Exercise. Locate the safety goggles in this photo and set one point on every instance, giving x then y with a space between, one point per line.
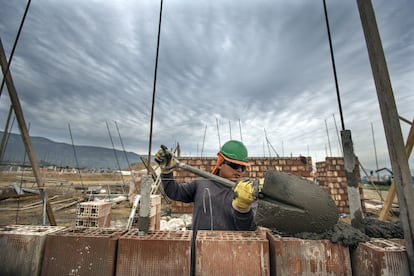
235 166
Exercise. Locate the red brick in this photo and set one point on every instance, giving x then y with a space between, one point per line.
380 257
93 209
292 256
81 251
158 253
232 253
22 248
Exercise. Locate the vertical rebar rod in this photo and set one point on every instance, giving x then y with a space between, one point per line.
204 139
329 141
116 156
375 150
241 136
338 135
333 66
75 155
122 144
153 91
218 133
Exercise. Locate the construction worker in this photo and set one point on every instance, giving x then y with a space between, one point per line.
215 207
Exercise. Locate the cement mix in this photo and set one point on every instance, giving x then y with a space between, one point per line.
348 235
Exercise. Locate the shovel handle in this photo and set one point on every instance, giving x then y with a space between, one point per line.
223 181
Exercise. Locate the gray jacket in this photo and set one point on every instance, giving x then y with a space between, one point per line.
212 204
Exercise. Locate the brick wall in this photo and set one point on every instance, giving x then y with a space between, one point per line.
301 166
330 175
332 178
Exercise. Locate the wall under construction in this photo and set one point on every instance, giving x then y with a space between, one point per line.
330 175
56 250
332 178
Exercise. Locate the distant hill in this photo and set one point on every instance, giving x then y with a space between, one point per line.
49 152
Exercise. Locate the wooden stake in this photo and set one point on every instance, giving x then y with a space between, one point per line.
24 132
396 149
391 192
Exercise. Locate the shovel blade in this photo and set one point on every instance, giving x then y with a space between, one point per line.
292 204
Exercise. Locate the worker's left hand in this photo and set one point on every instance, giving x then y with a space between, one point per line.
245 193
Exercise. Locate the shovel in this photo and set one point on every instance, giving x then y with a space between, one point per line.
286 203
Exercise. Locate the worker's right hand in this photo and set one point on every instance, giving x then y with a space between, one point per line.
165 159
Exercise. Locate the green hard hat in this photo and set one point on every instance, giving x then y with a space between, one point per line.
235 150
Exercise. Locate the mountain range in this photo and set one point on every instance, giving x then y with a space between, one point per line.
48 152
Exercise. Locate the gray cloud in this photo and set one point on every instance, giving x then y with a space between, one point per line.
236 69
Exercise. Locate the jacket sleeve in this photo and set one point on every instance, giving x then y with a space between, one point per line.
177 191
244 221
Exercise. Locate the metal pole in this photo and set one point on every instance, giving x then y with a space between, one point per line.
375 150
218 133
76 157
116 156
204 138
351 168
329 141
338 136
241 136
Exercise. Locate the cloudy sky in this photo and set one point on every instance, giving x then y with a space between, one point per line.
257 71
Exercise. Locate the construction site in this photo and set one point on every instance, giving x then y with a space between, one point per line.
98 236
311 220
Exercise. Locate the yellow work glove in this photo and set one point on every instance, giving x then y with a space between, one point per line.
245 193
165 159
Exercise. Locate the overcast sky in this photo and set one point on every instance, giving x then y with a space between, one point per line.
246 70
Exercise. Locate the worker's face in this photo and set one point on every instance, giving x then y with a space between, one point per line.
232 171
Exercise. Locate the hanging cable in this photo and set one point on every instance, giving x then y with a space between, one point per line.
333 66
211 207
153 92
14 46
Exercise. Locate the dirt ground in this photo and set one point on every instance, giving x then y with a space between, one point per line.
64 194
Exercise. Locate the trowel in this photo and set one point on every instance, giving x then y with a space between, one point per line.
286 202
